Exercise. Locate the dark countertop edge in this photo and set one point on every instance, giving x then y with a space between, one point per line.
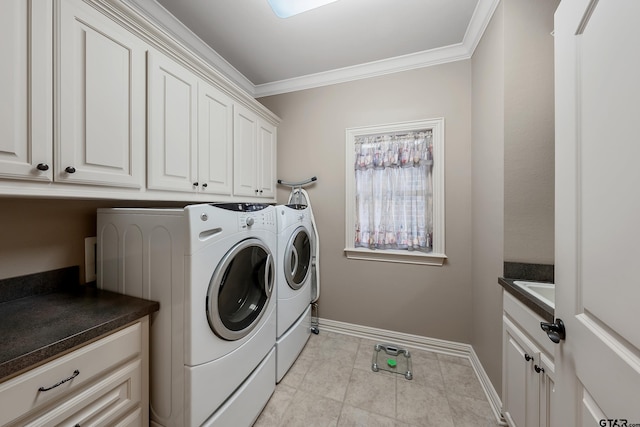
537 306
19 365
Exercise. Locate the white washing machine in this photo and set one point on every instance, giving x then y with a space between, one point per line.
295 246
212 268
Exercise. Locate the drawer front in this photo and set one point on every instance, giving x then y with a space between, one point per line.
528 321
101 404
23 394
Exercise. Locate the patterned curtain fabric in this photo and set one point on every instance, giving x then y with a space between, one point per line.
394 191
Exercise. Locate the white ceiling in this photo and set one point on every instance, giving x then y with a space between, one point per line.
342 41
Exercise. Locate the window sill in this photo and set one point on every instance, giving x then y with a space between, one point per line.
403 257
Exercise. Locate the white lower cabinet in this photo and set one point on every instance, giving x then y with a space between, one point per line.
527 368
104 383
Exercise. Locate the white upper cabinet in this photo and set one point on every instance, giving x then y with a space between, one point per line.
172 111
25 90
100 100
267 159
215 140
93 93
254 155
190 131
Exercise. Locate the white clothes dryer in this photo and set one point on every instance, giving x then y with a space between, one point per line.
212 268
295 246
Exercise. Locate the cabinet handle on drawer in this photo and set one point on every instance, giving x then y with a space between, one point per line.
527 357
538 368
70 169
75 374
42 167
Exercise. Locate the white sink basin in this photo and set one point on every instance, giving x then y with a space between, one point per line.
545 292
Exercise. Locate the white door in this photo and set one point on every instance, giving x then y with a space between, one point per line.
26 149
597 46
215 140
101 100
172 111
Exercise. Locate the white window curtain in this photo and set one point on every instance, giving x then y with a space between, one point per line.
394 191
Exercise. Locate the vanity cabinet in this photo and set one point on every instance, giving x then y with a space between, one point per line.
528 369
26 90
104 383
254 155
190 131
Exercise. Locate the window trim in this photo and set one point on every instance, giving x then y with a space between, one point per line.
437 256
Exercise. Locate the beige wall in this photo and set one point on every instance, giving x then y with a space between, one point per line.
513 160
39 234
488 203
529 131
423 300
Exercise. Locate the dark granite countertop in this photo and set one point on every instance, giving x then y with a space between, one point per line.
53 319
532 272
537 306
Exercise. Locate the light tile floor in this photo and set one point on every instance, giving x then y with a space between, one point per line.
332 384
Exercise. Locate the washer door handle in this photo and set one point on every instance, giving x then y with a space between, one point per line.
268 283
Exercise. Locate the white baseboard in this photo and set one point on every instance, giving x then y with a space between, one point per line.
450 348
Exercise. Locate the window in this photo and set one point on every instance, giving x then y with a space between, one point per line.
395 192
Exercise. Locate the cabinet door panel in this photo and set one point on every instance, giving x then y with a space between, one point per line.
21 150
101 100
267 153
215 140
172 146
521 383
245 126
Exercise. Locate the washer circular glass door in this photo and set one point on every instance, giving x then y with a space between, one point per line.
240 289
297 258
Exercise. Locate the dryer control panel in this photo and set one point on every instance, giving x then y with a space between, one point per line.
259 219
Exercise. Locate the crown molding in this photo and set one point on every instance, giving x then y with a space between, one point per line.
482 14
479 21
364 71
161 17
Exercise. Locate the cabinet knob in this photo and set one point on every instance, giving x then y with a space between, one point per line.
70 169
42 167
260 191
527 357
256 191
538 369
195 184
204 185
